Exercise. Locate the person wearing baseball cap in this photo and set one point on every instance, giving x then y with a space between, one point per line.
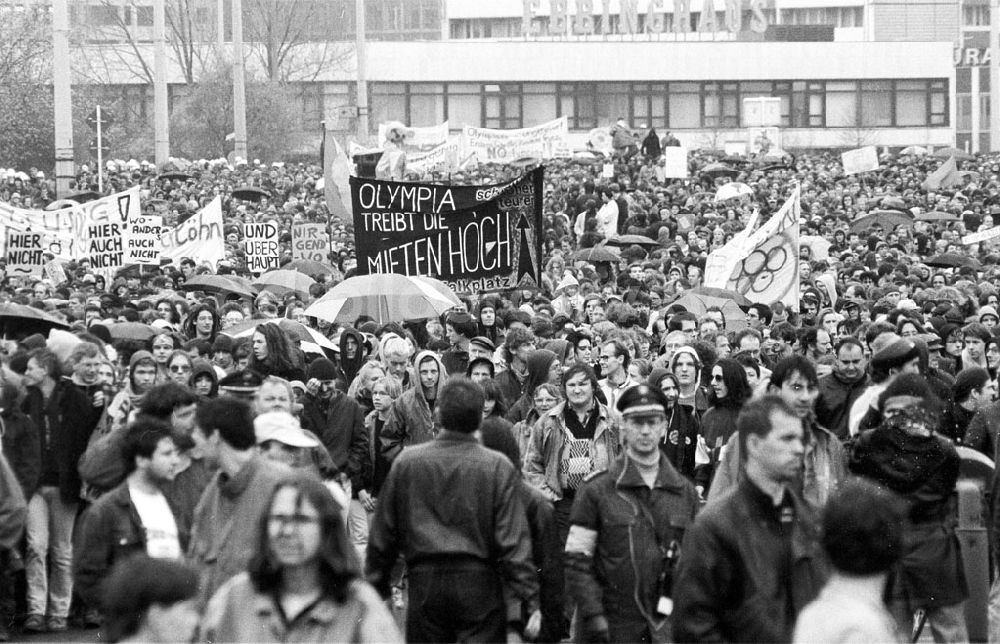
620 604
280 437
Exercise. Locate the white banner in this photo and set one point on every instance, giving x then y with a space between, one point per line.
721 262
981 236
142 241
675 162
201 237
66 233
861 160
423 137
443 158
504 146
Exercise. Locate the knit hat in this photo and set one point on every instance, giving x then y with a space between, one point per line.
222 344
967 381
988 310
567 281
321 369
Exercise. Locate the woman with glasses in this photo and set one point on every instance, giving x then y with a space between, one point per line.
728 392
303 583
179 367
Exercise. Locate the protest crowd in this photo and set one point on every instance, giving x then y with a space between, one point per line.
632 448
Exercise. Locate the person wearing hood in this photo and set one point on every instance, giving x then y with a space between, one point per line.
568 301
680 442
141 378
353 353
543 367
686 365
204 379
839 389
411 420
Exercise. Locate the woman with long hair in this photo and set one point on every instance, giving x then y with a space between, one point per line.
360 388
729 390
273 354
303 583
680 441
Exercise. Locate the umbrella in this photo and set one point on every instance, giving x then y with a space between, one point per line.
628 240
59 204
296 331
953 260
893 203
960 155
311 268
715 170
732 190
20 321
525 162
384 297
971 175
175 174
698 304
131 331
251 193
83 197
885 218
937 215
281 282
217 284
915 150
820 246
594 255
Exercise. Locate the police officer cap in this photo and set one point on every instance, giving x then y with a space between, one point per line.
642 399
247 381
895 355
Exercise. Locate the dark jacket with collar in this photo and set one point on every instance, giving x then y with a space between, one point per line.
340 425
451 499
64 427
833 405
620 533
741 577
110 531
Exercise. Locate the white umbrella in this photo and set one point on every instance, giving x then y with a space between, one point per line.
732 190
819 246
914 149
385 298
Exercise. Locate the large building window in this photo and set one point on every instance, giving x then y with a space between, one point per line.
612 102
841 104
721 105
539 103
464 105
426 104
388 102
649 104
502 105
975 15
685 106
876 104
578 103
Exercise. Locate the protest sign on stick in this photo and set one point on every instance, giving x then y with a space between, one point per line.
260 242
142 244
310 241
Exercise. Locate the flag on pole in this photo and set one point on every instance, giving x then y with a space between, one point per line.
944 177
769 269
336 177
722 261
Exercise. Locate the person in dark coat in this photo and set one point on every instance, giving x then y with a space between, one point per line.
680 442
752 558
471 577
907 456
546 550
21 443
651 144
839 389
626 528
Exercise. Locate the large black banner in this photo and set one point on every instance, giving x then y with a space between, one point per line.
475 238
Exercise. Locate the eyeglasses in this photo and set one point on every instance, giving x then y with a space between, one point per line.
178 368
716 378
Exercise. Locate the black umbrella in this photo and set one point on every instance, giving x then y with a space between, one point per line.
715 170
594 255
217 284
628 240
83 197
175 174
19 321
953 260
251 193
887 219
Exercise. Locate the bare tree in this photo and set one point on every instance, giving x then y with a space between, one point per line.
26 125
291 37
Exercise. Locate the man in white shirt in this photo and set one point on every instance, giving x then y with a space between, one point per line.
614 359
134 517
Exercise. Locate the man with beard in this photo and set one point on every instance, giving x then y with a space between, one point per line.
838 390
752 558
906 455
135 517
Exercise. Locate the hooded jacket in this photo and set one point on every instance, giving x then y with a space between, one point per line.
205 368
352 366
539 362
411 419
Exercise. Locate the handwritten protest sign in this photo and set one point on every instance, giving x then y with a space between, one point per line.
474 238
675 162
860 160
66 232
55 272
502 146
260 242
443 158
142 241
200 237
25 253
310 241
107 246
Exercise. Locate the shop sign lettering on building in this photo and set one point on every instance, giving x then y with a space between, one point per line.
578 18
